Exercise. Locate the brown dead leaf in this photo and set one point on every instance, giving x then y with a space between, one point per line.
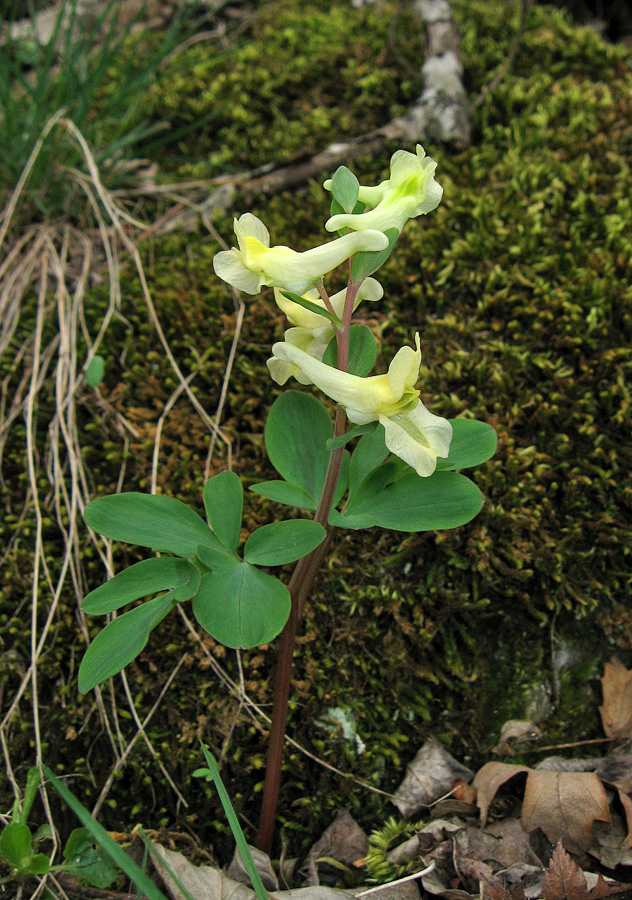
492 890
431 774
505 843
626 803
516 736
565 805
616 712
487 781
616 767
564 880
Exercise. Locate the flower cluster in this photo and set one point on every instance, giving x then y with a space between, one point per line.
411 431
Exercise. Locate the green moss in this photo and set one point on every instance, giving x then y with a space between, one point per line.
520 286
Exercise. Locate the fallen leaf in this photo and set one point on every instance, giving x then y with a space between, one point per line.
505 843
430 775
617 767
564 880
492 890
564 805
615 839
487 781
343 841
561 764
237 870
616 712
516 736
201 882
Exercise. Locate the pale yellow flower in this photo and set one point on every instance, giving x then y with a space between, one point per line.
411 432
256 264
410 191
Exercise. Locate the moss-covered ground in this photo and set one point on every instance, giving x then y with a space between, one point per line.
520 285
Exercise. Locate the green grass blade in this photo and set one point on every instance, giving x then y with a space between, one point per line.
142 881
235 827
163 862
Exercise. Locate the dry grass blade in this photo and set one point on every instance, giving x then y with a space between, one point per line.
47 267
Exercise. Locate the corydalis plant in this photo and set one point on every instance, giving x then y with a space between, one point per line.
402 472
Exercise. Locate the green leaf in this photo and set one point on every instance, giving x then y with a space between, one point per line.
140 580
313 307
368 455
296 433
444 500
362 351
343 520
38 864
223 501
121 641
345 188
216 557
354 432
472 443
188 589
95 371
284 492
364 497
241 606
283 542
142 881
16 845
161 523
88 861
369 261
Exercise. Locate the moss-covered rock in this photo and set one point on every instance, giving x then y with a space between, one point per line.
520 286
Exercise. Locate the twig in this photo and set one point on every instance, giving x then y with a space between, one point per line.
383 887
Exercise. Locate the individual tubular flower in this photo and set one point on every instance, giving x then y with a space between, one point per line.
411 431
410 191
256 263
314 332
370 289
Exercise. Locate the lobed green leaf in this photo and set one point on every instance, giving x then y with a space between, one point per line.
140 580
162 523
444 500
223 500
283 542
370 452
241 606
472 443
284 492
297 430
121 641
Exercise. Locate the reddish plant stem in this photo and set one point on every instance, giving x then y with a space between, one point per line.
302 579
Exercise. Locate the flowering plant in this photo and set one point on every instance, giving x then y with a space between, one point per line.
402 474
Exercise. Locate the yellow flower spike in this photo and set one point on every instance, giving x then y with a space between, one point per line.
410 191
256 264
411 432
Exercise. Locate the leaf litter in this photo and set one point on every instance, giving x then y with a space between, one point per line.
561 830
